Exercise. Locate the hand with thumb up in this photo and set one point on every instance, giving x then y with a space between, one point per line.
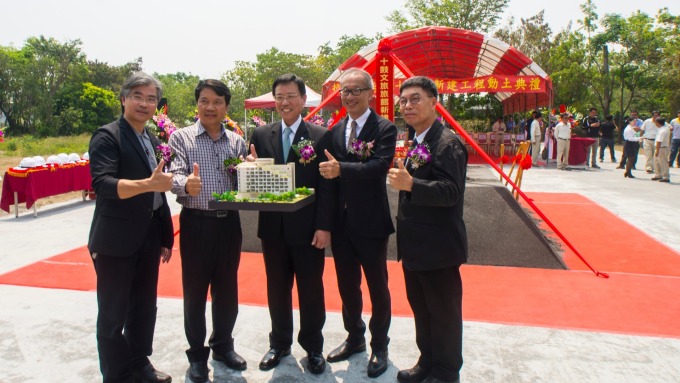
399 178
194 184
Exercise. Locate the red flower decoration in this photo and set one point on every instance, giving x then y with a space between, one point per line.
504 159
526 163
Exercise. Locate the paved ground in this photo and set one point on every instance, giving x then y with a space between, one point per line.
48 335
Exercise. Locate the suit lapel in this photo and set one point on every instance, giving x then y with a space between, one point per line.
301 134
369 127
276 143
340 137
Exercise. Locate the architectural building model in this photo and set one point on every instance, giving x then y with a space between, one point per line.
263 176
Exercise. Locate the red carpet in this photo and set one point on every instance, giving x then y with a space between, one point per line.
642 288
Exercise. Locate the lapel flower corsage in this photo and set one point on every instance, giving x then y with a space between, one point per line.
231 163
305 150
419 156
361 149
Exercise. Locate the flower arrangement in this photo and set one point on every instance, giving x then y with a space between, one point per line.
232 125
361 149
231 163
2 135
258 121
419 156
163 128
317 120
305 150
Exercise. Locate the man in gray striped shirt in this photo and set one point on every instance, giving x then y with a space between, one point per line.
210 240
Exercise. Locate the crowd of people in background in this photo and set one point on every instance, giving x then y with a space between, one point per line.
658 137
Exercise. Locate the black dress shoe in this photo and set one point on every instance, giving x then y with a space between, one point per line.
231 359
413 375
346 350
316 363
198 372
272 358
377 364
148 374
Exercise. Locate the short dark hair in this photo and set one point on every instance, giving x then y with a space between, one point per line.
609 118
538 114
217 86
591 109
661 121
287 79
634 111
655 112
420 81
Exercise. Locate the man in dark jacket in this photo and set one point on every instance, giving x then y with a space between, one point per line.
431 234
361 153
131 232
293 243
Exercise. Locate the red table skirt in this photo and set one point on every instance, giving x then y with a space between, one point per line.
35 184
578 150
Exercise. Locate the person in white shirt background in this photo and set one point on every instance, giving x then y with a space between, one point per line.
563 135
662 151
675 141
649 131
631 145
535 137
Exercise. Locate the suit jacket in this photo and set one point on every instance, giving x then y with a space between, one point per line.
362 195
297 228
119 226
431 233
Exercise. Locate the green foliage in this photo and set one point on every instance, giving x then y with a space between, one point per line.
474 15
178 89
29 146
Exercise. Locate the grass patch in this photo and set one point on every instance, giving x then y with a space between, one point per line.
29 146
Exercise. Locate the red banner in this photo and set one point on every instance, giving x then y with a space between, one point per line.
488 84
384 86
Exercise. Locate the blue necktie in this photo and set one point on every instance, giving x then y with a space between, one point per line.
286 143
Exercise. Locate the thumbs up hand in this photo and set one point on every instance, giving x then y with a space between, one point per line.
253 154
331 168
194 184
159 181
399 178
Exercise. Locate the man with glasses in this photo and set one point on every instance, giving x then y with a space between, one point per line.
431 235
293 243
210 240
362 150
131 233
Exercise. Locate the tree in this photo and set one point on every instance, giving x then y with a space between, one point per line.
109 77
475 15
329 59
53 64
15 88
178 89
532 36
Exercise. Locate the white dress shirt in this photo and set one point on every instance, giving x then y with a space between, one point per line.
360 124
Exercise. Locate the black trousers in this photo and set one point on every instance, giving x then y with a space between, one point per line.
436 296
305 264
126 298
211 252
351 255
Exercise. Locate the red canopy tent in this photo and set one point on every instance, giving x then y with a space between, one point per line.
453 57
458 61
266 101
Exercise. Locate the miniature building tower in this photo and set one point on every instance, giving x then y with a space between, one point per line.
263 176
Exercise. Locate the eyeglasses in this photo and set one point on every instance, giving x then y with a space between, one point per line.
415 100
288 97
137 99
355 92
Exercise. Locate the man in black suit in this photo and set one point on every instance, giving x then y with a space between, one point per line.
131 232
293 243
431 234
361 153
